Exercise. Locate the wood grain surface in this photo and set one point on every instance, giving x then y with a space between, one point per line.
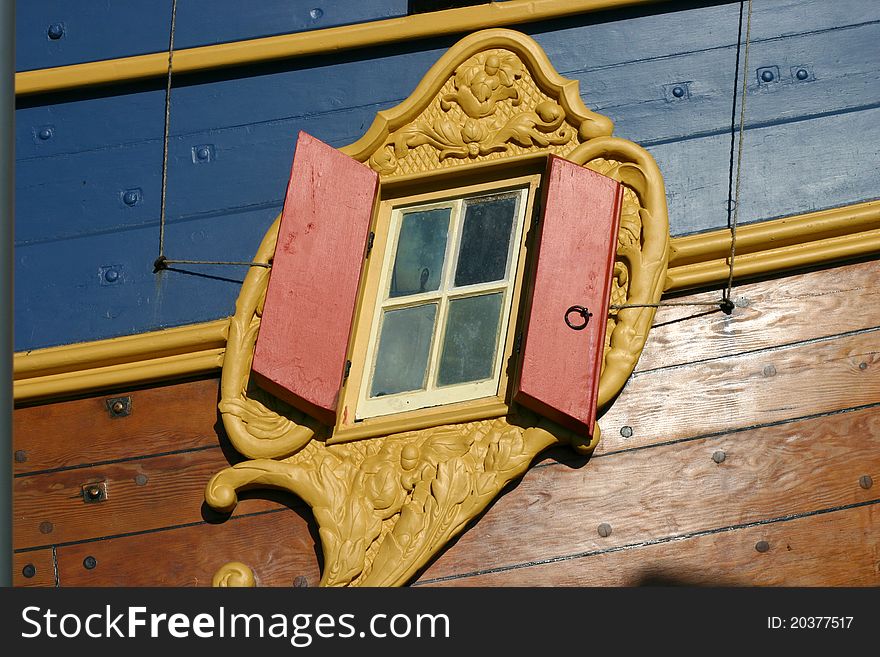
48 509
279 546
673 491
43 563
163 419
769 313
729 394
839 548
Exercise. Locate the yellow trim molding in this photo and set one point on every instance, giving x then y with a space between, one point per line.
763 249
301 44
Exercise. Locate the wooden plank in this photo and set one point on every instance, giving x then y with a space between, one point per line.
163 419
672 491
279 547
49 508
722 395
562 350
43 565
308 314
832 549
811 305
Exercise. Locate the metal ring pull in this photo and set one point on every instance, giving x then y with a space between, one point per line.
579 310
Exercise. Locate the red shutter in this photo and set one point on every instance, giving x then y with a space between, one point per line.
559 375
300 354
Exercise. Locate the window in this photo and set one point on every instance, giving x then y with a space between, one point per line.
445 292
388 311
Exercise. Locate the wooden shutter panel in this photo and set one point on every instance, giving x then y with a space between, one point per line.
300 354
559 376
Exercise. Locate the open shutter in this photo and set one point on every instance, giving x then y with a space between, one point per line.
561 360
300 355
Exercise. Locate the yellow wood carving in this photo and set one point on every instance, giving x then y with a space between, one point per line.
385 505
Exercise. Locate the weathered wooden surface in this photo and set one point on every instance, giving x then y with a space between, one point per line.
796 441
673 491
43 564
838 548
166 419
808 144
278 546
733 393
309 307
768 314
49 508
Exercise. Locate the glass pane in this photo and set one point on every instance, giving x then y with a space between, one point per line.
485 241
403 350
421 250
471 336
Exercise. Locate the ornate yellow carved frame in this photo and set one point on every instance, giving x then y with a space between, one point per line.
386 505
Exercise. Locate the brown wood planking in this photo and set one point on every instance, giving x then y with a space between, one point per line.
171 494
673 490
43 564
163 419
743 391
277 546
805 306
840 548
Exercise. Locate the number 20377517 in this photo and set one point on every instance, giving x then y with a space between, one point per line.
809 622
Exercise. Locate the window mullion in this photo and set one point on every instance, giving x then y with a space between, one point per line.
452 250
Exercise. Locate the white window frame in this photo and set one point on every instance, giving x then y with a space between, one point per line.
435 395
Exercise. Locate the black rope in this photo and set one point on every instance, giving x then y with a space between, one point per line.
725 304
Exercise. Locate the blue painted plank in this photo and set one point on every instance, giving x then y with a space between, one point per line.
58 32
787 169
782 175
246 165
62 294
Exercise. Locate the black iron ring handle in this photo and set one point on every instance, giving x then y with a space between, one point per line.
579 310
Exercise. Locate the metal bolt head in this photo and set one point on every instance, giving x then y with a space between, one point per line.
300 581
45 133
111 276
55 31
46 527
626 431
20 456
118 407
604 530
863 366
762 546
316 13
866 482
90 562
29 570
767 75
678 92
131 197
769 370
802 74
140 479
93 492
719 456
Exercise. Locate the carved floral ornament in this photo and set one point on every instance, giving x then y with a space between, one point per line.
386 505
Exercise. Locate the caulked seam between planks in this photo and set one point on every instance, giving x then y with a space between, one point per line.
142 532
656 541
127 459
718 434
761 350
